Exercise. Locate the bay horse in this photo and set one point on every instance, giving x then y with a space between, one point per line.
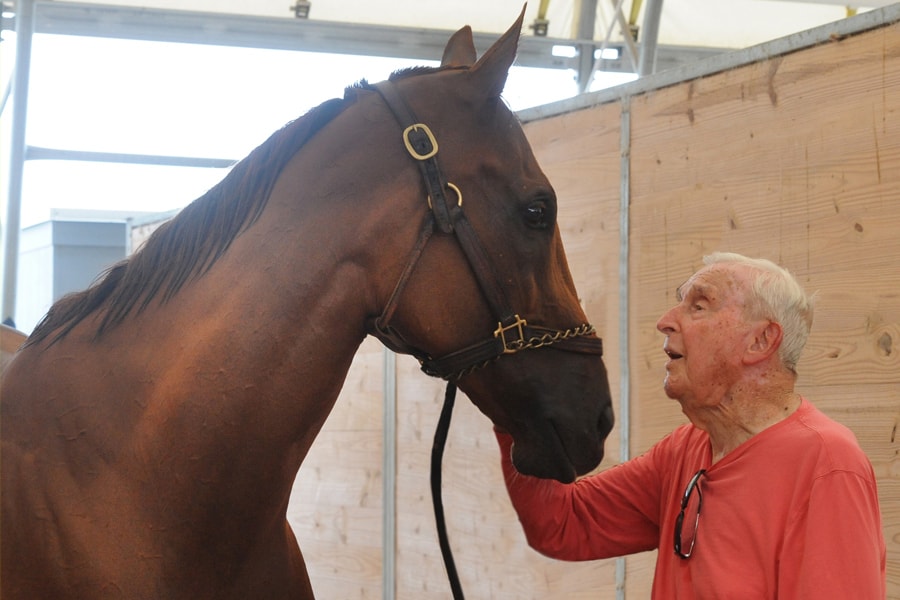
153 424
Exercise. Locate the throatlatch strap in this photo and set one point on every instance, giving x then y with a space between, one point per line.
381 326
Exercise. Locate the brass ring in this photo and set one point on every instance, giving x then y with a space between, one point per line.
455 189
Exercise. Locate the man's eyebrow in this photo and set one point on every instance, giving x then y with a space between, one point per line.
679 293
694 288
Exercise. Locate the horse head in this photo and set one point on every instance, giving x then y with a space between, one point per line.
487 299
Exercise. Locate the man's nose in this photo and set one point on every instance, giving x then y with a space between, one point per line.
666 324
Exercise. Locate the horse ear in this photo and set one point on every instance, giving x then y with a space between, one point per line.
460 50
493 67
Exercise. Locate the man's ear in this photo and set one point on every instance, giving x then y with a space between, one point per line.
766 340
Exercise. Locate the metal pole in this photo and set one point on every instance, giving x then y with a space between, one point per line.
650 37
587 18
389 478
617 16
624 416
24 32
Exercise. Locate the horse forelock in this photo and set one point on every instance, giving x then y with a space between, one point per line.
185 247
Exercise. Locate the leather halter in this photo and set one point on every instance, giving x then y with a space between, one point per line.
513 333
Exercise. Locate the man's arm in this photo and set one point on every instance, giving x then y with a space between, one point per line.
609 514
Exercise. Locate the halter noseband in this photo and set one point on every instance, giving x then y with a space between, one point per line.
513 333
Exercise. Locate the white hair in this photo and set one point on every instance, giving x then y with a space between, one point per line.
776 295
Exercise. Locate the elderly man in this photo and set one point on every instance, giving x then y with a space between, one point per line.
761 495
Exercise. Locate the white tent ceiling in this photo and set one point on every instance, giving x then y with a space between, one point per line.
704 23
668 33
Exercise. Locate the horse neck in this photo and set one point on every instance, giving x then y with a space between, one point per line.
229 381
269 333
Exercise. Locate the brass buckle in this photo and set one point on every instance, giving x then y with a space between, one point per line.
501 333
409 147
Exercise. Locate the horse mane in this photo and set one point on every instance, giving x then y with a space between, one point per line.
185 247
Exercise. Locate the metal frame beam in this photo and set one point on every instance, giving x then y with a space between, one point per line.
13 224
124 22
150 24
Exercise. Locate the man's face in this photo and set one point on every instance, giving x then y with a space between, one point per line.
706 336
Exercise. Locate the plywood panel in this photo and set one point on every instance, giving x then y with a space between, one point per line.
336 504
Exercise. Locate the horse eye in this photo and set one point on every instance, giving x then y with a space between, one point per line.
537 215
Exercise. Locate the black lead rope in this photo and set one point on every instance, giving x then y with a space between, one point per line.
437 453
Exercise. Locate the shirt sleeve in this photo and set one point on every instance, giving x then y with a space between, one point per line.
611 513
835 548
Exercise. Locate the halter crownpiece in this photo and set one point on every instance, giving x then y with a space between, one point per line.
423 147
513 333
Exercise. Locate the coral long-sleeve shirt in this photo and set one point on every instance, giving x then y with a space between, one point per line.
792 513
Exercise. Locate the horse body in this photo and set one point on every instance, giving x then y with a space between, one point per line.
150 453
222 404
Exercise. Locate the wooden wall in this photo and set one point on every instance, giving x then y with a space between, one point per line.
795 158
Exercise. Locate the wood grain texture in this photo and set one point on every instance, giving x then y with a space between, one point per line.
336 504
